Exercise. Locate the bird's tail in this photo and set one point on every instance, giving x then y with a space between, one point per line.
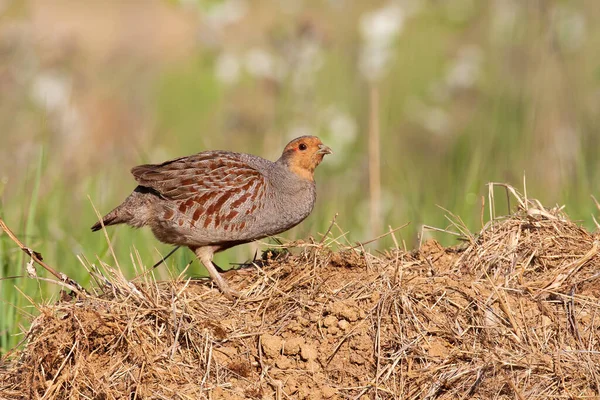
133 211
112 218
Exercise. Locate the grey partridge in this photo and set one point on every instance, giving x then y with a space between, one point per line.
214 200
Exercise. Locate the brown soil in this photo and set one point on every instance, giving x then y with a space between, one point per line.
510 314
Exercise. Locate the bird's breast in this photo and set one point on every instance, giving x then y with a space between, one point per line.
289 209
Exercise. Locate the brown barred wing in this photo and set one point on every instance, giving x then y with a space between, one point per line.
213 190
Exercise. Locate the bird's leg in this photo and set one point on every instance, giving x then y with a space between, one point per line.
205 255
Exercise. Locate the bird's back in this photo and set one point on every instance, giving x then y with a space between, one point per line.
222 198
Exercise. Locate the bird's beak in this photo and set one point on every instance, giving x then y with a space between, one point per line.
324 149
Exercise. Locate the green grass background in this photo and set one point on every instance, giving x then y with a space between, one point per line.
145 90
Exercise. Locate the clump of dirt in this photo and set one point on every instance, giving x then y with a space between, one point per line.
512 313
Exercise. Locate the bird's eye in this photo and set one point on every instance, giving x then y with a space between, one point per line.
302 146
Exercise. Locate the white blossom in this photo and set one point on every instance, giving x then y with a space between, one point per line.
227 68
262 64
570 27
464 70
379 29
227 12
52 92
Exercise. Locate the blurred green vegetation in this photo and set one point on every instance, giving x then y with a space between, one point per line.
469 92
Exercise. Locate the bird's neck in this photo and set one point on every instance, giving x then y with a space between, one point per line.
290 179
297 168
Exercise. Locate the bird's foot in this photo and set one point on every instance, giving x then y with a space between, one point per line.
230 293
205 255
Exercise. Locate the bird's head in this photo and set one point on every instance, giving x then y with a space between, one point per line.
303 154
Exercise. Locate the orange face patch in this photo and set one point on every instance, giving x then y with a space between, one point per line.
304 154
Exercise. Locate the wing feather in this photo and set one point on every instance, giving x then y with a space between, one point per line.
210 189
187 177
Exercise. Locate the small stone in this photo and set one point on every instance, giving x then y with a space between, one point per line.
306 392
313 366
221 358
356 359
230 351
222 394
291 385
292 346
229 324
330 320
283 363
333 330
438 348
307 352
347 310
361 342
343 324
328 392
295 327
546 321
271 345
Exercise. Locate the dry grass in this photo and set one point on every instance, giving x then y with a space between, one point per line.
510 314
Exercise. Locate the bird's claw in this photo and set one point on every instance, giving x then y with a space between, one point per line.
231 294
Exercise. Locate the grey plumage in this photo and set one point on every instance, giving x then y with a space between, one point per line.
214 200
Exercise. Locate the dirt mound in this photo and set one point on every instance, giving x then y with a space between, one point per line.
510 314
